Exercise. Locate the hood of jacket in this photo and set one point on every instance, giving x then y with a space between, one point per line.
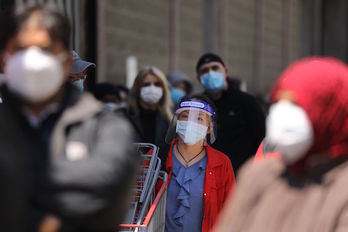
319 85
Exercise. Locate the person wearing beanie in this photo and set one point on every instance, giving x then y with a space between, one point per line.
241 121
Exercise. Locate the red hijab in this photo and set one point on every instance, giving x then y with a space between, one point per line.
320 86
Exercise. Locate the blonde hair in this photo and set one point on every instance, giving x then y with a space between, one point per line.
164 105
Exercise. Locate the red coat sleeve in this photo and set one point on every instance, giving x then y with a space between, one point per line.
230 183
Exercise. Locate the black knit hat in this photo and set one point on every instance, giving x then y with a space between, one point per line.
103 89
207 58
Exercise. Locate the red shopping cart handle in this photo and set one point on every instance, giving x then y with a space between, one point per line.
151 210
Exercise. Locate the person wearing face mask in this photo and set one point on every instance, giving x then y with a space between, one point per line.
149 108
200 177
79 70
180 86
75 161
241 121
305 187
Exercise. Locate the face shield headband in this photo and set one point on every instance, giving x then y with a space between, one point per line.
195 104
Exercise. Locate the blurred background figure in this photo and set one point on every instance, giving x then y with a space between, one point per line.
195 168
150 108
303 189
123 92
180 86
79 71
111 96
59 147
241 121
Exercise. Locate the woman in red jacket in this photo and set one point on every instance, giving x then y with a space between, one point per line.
200 177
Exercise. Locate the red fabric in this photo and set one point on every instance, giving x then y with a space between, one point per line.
218 182
320 86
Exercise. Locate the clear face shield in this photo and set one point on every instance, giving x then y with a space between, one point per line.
193 121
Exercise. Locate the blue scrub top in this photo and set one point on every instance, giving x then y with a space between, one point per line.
184 211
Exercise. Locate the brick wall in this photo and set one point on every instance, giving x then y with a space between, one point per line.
241 36
138 28
191 32
256 52
272 43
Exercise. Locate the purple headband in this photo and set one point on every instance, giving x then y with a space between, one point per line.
196 104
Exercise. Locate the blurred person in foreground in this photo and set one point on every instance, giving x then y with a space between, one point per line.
305 188
180 86
150 108
200 177
240 122
76 160
79 70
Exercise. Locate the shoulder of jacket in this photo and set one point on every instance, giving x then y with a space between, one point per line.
339 177
218 157
244 95
261 172
87 103
88 108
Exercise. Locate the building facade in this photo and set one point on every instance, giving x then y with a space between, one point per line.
256 38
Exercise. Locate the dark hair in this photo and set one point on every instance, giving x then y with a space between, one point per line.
47 17
121 88
103 89
207 58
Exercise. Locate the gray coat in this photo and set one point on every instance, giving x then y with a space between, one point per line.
79 163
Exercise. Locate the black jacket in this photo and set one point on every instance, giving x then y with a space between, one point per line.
160 130
241 125
87 192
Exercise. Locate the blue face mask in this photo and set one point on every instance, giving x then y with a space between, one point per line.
176 94
79 84
213 81
110 106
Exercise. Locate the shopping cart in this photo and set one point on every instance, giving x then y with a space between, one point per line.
147 211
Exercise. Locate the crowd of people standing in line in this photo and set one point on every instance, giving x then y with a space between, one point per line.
67 160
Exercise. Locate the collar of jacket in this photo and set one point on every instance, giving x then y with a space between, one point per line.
84 108
212 160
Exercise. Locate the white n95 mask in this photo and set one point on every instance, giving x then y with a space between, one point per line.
289 131
34 74
151 94
191 132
